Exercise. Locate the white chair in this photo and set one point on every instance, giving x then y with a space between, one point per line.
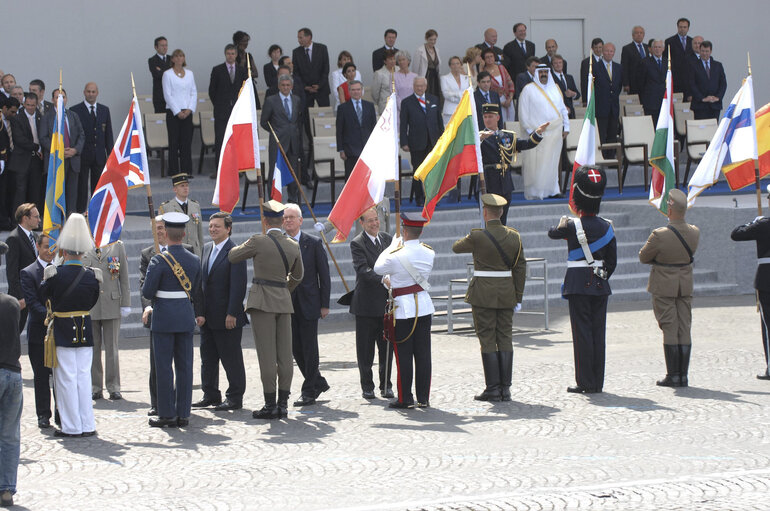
327 165
325 126
682 114
156 137
633 109
145 102
629 99
204 105
570 148
208 135
638 136
321 111
699 135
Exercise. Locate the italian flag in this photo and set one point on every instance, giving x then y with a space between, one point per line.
240 149
457 153
662 152
585 154
377 165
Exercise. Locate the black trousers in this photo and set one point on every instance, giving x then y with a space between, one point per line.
350 163
30 186
92 171
304 347
317 98
179 143
41 376
706 114
225 346
153 377
369 334
764 305
608 132
414 352
72 187
220 125
588 317
417 157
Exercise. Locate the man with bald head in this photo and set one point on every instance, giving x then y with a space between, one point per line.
551 48
631 58
652 80
490 41
97 125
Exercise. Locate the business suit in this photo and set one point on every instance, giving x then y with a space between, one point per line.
114 294
352 134
21 253
98 145
420 130
368 306
567 82
289 132
158 65
313 72
651 86
679 62
516 58
702 84
522 80
193 233
308 298
607 100
7 188
72 174
223 94
480 99
545 59
630 61
378 57
26 162
585 65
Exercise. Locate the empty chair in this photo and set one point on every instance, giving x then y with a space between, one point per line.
324 126
632 109
699 135
629 99
208 136
682 114
638 135
328 165
580 112
570 148
156 137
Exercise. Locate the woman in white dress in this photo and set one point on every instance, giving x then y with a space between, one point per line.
181 97
453 85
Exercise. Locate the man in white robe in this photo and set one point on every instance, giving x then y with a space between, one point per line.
540 102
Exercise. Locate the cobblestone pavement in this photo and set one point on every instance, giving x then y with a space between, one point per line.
636 446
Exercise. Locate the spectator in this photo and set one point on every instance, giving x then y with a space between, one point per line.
501 83
427 61
337 76
343 91
473 62
158 65
453 85
403 77
311 61
241 41
378 55
181 99
270 70
383 81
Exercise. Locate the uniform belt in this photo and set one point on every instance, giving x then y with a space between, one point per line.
170 294
269 283
583 263
763 260
672 265
490 273
493 166
71 314
401 291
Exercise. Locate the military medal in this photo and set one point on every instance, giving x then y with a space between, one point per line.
113 263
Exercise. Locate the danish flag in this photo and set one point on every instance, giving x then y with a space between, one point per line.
126 168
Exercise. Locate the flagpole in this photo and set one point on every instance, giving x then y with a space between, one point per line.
482 181
756 162
258 169
150 205
397 182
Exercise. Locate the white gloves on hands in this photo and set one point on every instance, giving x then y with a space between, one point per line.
125 311
517 308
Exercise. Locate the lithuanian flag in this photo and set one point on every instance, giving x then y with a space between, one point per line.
456 154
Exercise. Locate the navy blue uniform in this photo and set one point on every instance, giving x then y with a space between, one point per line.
72 332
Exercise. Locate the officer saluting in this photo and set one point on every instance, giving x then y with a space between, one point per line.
592 258
181 203
406 268
497 287
173 283
498 153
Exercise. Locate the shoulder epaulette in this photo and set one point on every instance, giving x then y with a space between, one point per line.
477 229
426 246
49 271
192 200
396 250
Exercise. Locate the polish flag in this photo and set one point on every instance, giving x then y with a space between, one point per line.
240 149
377 165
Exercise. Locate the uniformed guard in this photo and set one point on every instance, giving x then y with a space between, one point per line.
183 204
497 287
670 251
278 270
498 153
759 231
71 290
173 284
592 257
406 267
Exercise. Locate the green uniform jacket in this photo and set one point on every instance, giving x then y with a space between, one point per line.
193 231
494 292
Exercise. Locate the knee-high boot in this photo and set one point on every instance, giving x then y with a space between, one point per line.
684 363
506 374
491 364
672 379
283 403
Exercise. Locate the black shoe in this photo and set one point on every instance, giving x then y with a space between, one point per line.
400 406
56 418
387 394
283 404
116 396
163 422
673 377
426 404
61 434
88 433
152 412
368 394
96 396
6 499
227 405
266 412
43 422
764 376
577 389
206 402
304 401
323 389
183 422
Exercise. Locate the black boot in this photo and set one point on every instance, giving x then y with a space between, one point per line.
269 411
672 379
506 373
491 364
283 403
684 363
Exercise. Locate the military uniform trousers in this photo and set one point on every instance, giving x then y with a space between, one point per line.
225 346
272 337
494 328
413 352
153 377
174 397
106 333
304 334
369 335
72 378
764 308
588 318
674 315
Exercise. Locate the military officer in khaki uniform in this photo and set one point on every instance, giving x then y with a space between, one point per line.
181 203
278 270
670 251
497 288
114 303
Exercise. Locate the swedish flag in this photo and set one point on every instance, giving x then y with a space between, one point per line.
55 207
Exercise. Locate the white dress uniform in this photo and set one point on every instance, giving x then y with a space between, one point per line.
389 263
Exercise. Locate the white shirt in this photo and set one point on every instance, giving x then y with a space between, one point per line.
180 93
215 250
42 263
421 257
373 239
88 107
181 202
33 126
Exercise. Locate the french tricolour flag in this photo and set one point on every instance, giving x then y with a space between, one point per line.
281 177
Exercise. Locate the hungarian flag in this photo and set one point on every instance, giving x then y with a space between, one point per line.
281 177
662 152
585 154
457 153
240 149
377 165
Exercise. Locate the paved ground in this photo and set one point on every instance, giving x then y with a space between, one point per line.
636 446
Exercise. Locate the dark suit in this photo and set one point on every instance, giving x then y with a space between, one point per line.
630 62
679 62
545 59
26 162
224 288
516 58
420 130
378 57
31 280
522 79
702 85
494 97
368 305
351 134
584 68
607 100
270 74
7 187
157 67
223 94
72 175
651 86
21 253
567 83
313 72
308 298
97 146
289 132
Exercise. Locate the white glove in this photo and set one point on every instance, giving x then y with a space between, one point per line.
395 243
758 219
517 308
319 227
125 311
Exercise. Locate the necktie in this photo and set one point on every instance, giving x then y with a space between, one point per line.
10 134
231 70
660 64
641 49
213 257
307 52
33 127
287 107
422 103
163 248
377 244
93 115
684 42
359 114
486 97
32 241
523 47
609 70
184 208
708 69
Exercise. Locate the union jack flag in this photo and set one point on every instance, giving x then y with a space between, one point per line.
126 168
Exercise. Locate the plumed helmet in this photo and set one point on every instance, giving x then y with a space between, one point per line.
75 235
588 188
